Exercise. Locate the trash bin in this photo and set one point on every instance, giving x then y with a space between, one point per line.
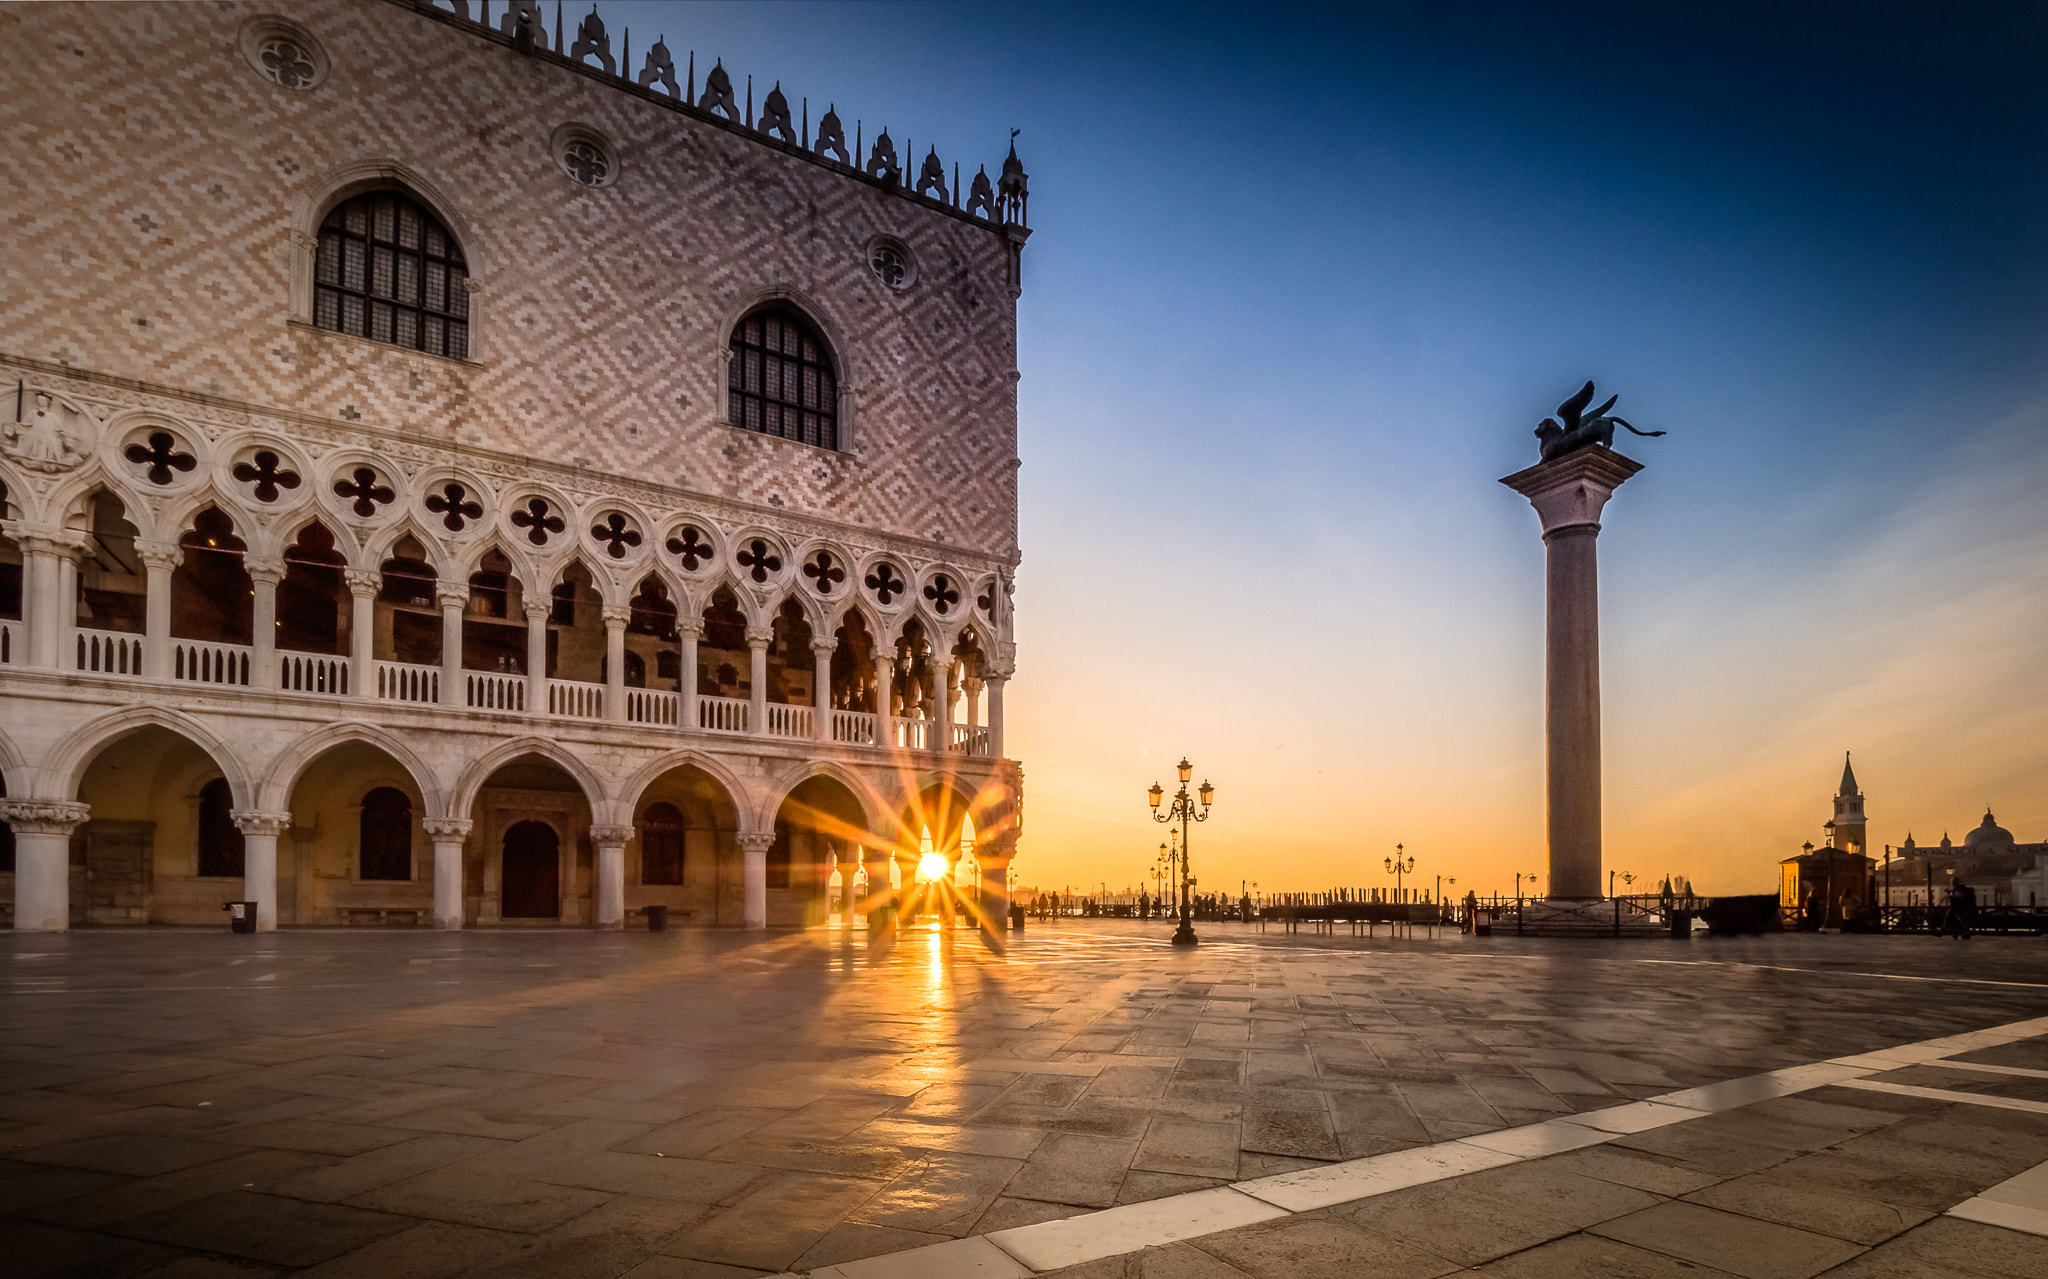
1016 919
1482 923
241 916
1681 924
657 919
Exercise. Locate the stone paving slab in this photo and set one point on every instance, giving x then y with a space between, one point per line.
564 1102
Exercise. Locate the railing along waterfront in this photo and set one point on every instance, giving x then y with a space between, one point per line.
312 673
723 714
575 699
109 652
408 682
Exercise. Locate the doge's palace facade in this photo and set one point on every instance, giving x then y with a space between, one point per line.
453 476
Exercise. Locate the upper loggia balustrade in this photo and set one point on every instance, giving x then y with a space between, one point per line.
916 700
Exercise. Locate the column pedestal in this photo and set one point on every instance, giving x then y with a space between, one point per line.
754 853
448 834
259 861
42 860
1568 493
610 842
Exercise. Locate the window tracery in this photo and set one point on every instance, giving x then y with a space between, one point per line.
781 380
387 270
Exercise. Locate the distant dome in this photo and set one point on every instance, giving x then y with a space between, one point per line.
1989 835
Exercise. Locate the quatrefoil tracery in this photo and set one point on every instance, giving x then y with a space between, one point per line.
162 456
885 582
267 475
689 546
759 560
454 508
367 492
824 574
941 594
986 601
617 536
537 521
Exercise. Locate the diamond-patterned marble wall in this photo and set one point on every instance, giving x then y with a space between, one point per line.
151 182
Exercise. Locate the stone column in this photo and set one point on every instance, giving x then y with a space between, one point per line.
754 853
42 599
615 664
821 687
264 577
690 630
885 675
259 861
1568 493
454 599
362 632
757 650
994 684
448 834
159 560
610 842
537 613
42 860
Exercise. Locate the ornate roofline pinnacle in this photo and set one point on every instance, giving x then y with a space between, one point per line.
522 26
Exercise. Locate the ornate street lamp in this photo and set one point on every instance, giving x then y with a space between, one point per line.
1183 810
1397 868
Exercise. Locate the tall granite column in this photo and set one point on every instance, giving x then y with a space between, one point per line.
1568 493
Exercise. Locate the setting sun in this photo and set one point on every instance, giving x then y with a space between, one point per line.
931 867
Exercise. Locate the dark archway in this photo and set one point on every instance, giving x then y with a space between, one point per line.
819 828
532 872
687 855
212 598
384 835
220 840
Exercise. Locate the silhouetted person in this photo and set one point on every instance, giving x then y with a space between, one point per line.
1962 903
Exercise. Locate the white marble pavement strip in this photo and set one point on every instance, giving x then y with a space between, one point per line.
2018 1204
1026 1250
1949 1094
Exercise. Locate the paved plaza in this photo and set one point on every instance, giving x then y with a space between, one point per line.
1089 1103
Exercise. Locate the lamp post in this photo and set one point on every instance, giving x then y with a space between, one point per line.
1397 868
1626 878
1183 810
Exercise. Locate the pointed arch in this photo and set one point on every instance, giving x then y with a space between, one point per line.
635 787
874 806
66 765
291 763
75 494
462 795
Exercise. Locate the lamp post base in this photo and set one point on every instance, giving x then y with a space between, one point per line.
1185 934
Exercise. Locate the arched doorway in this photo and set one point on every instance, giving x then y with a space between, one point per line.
162 846
358 854
531 871
687 855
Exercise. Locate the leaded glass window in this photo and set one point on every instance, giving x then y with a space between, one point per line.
781 381
388 270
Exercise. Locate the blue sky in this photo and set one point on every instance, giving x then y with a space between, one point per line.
1304 278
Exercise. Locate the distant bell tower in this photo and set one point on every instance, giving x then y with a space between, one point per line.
1848 824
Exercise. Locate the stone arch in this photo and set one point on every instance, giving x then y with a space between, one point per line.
821 315
634 788
361 177
873 806
14 765
74 496
378 547
462 796
67 764
285 771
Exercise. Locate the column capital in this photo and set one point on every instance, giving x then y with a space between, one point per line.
44 816
537 607
760 636
452 595
756 845
618 617
158 556
263 572
690 628
362 582
447 828
251 821
611 836
824 647
1568 492
42 539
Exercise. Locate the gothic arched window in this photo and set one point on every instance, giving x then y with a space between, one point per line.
385 839
781 381
388 270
